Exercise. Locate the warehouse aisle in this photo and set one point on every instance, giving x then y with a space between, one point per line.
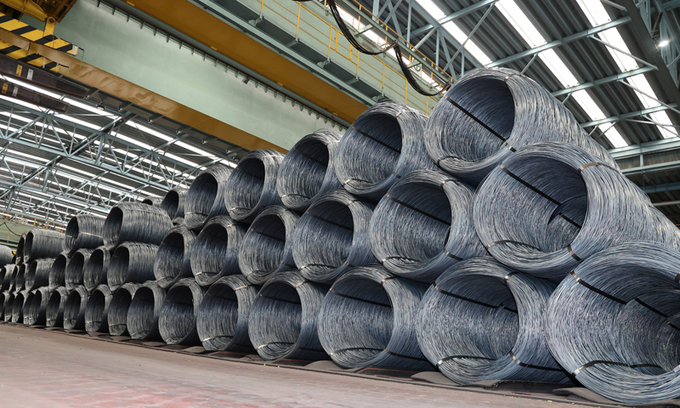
48 369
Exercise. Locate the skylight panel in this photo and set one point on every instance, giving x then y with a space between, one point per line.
643 87
612 135
667 130
624 62
432 9
594 11
470 46
521 22
558 68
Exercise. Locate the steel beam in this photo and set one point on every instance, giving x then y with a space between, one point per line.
460 13
629 115
602 81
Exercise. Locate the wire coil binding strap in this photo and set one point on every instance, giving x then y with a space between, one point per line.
215 250
423 225
74 270
54 313
252 186
42 243
58 271
383 144
83 231
222 319
144 310
307 171
368 320
489 113
37 311
481 321
545 209
266 247
94 271
118 308
332 236
177 318
205 198
613 323
135 222
74 309
131 262
173 258
97 310
283 318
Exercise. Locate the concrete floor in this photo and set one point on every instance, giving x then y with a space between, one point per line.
49 369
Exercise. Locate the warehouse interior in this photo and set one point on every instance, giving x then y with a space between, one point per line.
461 202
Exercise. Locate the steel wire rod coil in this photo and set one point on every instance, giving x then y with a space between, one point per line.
95 270
152 201
144 310
266 246
54 314
173 258
215 250
28 299
19 255
332 236
131 262
384 144
7 307
57 274
97 310
307 171
83 231
38 273
205 198
135 222
173 203
74 308
37 311
549 206
423 225
76 267
252 186
20 278
481 320
118 308
283 318
18 305
12 279
222 318
6 255
177 318
7 272
368 319
4 297
42 243
613 323
490 113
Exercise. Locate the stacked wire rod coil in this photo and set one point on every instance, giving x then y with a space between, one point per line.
95 270
58 271
173 203
54 313
131 262
38 273
177 318
215 251
206 195
97 310
74 308
83 231
74 270
37 311
118 308
42 243
173 257
144 312
135 222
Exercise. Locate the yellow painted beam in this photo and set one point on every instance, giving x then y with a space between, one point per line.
209 30
120 88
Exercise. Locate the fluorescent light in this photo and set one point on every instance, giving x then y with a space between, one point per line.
521 23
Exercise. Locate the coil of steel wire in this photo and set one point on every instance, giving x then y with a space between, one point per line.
266 246
135 222
252 186
549 206
42 243
118 308
142 317
307 171
38 273
131 262
368 319
215 250
94 271
7 272
332 236
8 306
222 317
613 323
152 201
173 203
481 320
177 318
283 318
83 231
205 198
37 310
19 256
6 255
74 308
4 299
173 258
54 313
423 225
490 113
57 274
76 267
18 306
20 278
97 310
384 144
13 278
